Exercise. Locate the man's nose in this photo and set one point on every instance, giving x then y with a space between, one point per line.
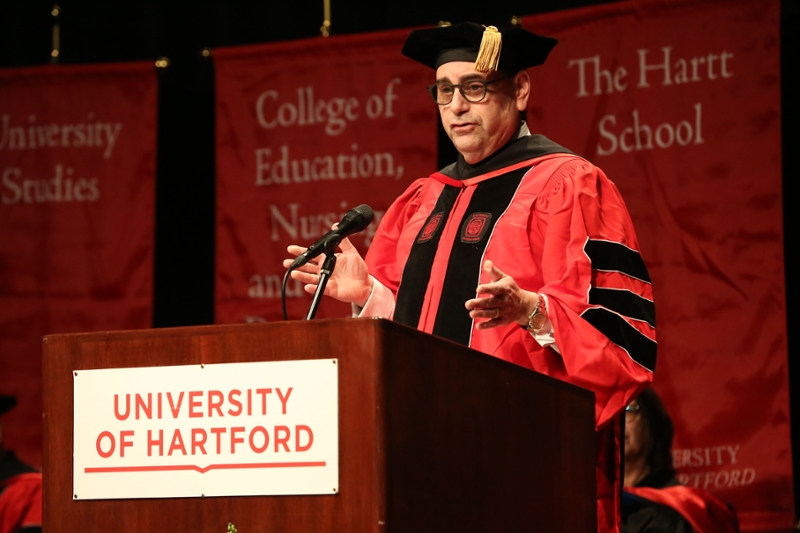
459 104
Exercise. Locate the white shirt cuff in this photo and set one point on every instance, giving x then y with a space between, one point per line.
545 337
380 303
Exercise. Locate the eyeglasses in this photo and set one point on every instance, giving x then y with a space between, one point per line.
632 411
473 91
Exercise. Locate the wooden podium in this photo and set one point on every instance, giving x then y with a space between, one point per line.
434 437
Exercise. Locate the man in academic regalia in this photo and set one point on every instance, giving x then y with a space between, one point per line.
519 249
20 487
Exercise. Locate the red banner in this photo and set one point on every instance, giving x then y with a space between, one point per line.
679 102
77 167
307 130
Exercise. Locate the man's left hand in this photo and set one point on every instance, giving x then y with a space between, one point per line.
501 301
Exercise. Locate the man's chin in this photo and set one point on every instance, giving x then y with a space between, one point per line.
466 144
473 152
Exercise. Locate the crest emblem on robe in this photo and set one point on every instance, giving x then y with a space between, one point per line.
430 228
475 227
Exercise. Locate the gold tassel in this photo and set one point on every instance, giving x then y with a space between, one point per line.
489 53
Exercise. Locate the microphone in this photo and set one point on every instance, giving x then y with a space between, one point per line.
357 219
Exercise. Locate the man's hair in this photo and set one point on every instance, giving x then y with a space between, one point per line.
661 430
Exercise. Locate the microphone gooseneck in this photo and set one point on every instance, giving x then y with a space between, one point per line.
356 220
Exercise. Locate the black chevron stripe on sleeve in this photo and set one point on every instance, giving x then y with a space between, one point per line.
625 303
641 348
615 257
617 306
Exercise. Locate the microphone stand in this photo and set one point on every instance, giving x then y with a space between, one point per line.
324 273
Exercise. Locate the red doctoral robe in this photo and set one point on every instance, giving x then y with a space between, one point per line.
20 495
558 226
702 510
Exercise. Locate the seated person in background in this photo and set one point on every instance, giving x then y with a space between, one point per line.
654 501
20 487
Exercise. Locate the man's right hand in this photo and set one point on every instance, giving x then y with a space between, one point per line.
350 281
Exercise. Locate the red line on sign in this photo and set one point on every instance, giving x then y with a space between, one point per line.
165 468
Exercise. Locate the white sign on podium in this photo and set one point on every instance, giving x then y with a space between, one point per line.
207 430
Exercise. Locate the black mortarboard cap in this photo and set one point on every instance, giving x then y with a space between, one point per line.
7 403
516 47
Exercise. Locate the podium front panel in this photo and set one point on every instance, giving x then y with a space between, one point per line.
433 436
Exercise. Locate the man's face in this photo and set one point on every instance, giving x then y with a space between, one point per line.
480 129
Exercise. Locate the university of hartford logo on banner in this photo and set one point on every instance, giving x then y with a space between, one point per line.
206 430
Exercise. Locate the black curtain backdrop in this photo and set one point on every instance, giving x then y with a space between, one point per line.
105 31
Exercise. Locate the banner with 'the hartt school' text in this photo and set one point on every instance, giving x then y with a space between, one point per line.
306 131
77 207
679 102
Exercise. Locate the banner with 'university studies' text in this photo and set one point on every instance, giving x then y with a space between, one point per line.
678 101
306 131
77 186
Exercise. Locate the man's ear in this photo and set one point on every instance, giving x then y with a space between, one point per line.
522 89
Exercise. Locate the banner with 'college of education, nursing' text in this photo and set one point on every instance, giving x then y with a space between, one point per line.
306 131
